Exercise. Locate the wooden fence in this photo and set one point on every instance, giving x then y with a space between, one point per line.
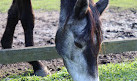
8 56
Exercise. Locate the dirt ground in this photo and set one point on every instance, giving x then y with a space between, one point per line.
115 25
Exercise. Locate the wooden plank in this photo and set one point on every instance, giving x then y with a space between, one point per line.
118 46
8 56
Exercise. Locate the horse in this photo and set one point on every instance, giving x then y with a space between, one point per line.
22 10
79 36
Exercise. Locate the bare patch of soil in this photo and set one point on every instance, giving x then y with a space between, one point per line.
115 25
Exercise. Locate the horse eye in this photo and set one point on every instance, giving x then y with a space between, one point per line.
78 44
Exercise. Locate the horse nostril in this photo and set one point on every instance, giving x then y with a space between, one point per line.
78 44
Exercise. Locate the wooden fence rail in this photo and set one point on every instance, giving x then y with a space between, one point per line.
8 56
118 46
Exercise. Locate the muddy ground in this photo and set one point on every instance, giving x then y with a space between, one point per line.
115 25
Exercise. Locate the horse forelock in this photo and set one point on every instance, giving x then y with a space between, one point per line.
94 25
92 30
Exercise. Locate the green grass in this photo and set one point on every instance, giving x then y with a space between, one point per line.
118 72
4 5
125 4
54 4
46 4
36 4
110 72
58 76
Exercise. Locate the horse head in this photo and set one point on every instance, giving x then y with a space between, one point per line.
79 37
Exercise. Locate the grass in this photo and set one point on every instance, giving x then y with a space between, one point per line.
119 72
46 4
4 5
58 76
36 4
54 4
126 71
125 4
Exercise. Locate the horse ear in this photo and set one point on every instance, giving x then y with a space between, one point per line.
81 8
101 5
